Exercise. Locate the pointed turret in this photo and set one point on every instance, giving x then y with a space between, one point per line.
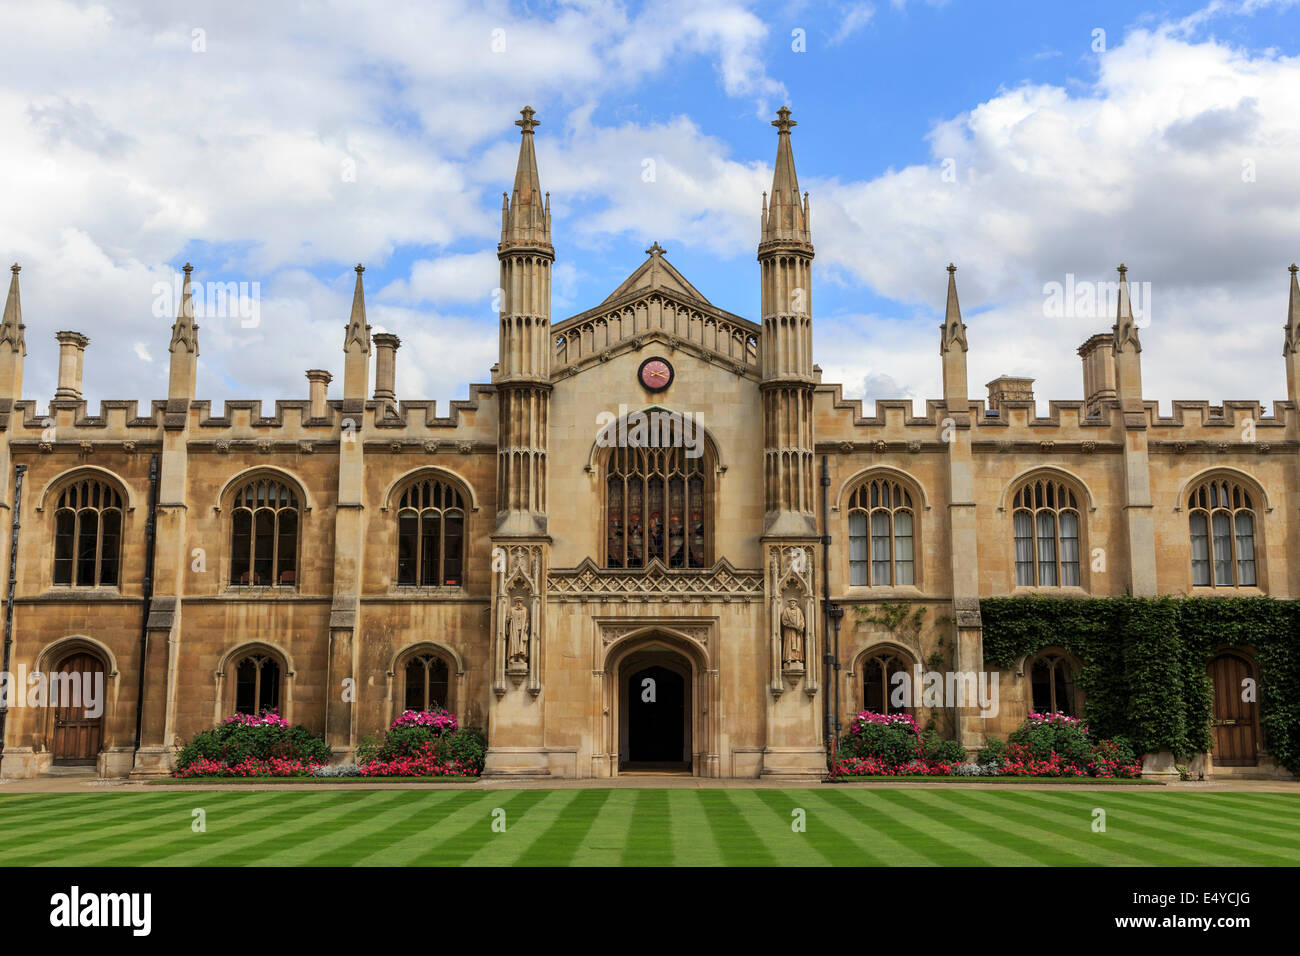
356 350
526 215
952 347
184 346
13 341
785 214
1127 348
1291 346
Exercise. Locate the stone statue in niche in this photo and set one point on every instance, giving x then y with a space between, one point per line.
792 631
517 629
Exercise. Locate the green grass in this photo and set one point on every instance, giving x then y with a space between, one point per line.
652 827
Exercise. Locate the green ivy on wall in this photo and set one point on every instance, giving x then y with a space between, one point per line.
1143 662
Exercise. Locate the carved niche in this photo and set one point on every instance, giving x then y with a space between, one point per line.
518 598
792 617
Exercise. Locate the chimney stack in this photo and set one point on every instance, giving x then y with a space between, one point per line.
318 385
386 346
1008 388
1098 354
72 355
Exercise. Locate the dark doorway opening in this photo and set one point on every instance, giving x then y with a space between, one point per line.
656 716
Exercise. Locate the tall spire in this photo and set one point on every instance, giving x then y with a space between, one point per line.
11 330
954 330
185 332
526 215
357 330
785 215
1292 345
1126 333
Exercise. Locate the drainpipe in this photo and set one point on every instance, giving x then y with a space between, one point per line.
830 659
19 471
150 543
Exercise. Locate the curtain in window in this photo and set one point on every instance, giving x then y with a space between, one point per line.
1069 548
880 547
1245 526
857 548
1046 547
1200 550
903 547
1024 548
1221 524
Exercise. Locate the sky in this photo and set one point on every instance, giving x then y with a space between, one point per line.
275 146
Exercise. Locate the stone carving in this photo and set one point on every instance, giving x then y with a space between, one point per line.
431 448
720 582
1087 447
396 447
881 447
517 623
1180 446
128 446
87 448
223 447
306 447
914 446
792 627
265 446
46 446
1046 445
464 447
846 447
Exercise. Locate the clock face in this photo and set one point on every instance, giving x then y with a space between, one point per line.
655 374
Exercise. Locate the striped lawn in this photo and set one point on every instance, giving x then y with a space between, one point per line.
652 827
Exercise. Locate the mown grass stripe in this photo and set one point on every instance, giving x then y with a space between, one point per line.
911 828
273 832
419 810
791 847
460 810
505 849
1059 826
835 845
1178 814
648 842
991 828
456 848
371 817
736 839
692 837
112 830
560 842
63 810
609 832
1120 829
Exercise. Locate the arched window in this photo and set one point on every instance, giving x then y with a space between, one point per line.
1045 519
430 535
881 529
878 684
427 682
1222 517
88 534
1051 679
257 684
264 535
656 506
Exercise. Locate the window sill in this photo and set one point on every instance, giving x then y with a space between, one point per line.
878 591
63 592
260 590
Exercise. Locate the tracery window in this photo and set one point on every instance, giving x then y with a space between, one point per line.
88 534
257 684
264 534
1051 678
881 529
1222 520
430 535
1045 520
878 683
656 506
427 682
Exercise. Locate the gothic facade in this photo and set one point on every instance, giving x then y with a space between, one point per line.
618 554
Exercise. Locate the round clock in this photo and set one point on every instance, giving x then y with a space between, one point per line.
655 374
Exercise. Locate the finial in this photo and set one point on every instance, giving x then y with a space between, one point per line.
951 268
187 268
527 124
656 250
16 268
360 269
1293 269
783 122
1122 269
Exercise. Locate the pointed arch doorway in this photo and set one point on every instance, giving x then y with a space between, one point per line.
655 712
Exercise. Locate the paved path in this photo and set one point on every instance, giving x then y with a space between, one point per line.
77 784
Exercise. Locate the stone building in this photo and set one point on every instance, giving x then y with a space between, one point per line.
632 508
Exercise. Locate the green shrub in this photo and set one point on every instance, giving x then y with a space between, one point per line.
893 739
469 746
993 751
267 736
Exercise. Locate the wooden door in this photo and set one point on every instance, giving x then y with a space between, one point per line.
77 737
1234 719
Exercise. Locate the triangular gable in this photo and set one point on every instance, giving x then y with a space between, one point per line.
656 273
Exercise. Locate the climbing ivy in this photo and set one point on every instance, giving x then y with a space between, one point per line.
1143 662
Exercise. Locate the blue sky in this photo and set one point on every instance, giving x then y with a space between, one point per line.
136 150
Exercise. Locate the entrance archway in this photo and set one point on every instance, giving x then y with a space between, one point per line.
655 709
1234 721
77 736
